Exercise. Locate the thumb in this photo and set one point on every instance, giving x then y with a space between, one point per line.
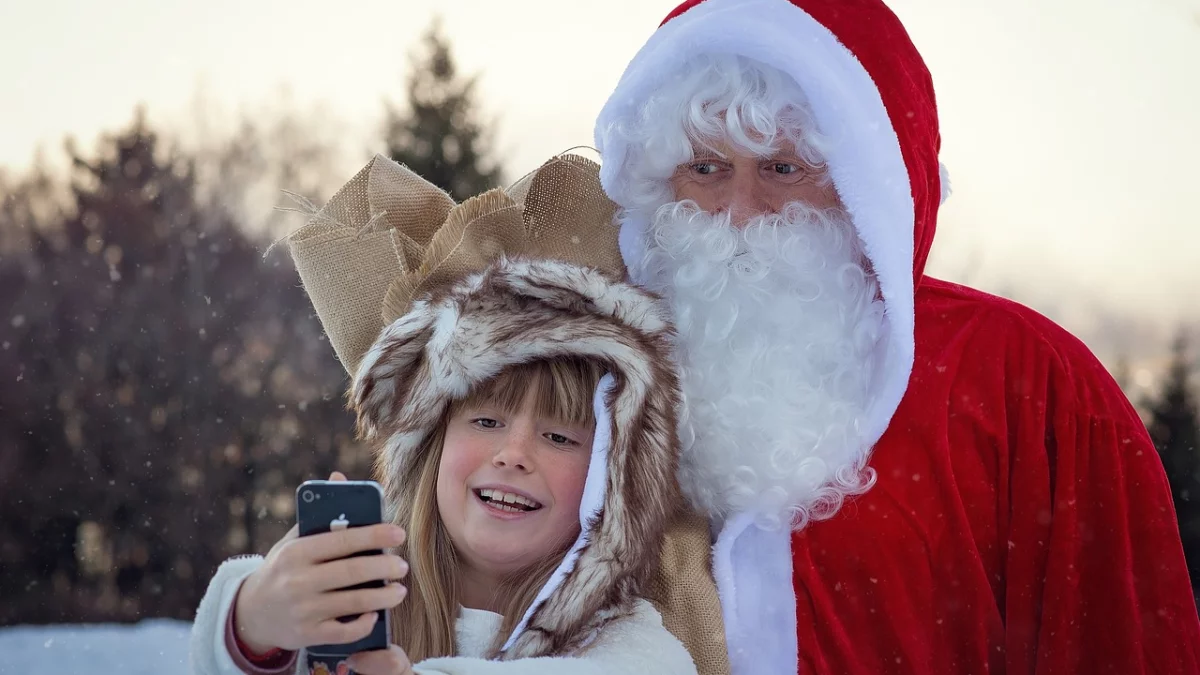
337 476
293 533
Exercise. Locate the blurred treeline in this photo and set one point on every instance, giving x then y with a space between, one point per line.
165 385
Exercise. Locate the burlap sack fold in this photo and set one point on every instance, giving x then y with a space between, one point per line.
388 236
371 232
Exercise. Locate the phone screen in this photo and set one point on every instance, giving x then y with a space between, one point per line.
323 506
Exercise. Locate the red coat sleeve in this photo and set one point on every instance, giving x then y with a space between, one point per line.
1095 574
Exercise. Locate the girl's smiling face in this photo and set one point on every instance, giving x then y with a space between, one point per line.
512 473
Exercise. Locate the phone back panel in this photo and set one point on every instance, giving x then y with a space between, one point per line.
319 503
325 505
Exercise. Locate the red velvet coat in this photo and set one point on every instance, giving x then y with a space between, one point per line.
1021 522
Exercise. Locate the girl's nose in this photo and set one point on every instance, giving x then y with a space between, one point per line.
513 453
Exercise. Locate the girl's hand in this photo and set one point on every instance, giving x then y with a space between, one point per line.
390 661
292 601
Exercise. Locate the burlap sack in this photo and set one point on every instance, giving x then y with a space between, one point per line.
685 593
389 235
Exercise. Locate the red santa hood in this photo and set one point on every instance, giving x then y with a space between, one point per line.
870 93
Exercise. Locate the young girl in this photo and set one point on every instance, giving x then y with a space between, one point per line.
525 413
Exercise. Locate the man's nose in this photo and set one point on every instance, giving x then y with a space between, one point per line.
747 198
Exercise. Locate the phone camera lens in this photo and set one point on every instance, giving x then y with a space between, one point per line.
307 496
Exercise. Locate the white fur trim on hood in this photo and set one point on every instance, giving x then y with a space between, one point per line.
863 156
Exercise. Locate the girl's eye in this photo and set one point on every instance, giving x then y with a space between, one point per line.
559 439
485 423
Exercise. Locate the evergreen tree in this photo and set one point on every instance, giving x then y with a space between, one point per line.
1175 428
439 135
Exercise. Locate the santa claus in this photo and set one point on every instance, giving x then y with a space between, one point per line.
902 475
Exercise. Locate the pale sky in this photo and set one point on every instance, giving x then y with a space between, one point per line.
1070 127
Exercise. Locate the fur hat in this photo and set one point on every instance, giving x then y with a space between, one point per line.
462 292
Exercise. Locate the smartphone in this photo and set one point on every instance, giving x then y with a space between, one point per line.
324 506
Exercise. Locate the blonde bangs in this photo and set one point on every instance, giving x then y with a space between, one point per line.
563 390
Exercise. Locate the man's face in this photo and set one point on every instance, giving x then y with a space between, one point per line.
778 321
723 177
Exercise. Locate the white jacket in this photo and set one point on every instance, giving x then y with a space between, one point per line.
634 644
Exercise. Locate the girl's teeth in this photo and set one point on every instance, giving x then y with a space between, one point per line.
500 498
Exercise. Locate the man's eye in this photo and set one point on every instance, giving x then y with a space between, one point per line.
704 168
784 168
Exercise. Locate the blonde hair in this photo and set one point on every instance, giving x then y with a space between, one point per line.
424 624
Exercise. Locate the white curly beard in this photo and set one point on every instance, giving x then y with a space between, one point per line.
778 323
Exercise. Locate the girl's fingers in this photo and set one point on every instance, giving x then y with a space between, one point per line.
347 603
328 546
334 632
358 570
390 661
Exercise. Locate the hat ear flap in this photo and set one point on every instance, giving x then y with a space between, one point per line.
392 372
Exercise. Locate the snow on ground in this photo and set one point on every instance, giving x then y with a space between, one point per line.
152 647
